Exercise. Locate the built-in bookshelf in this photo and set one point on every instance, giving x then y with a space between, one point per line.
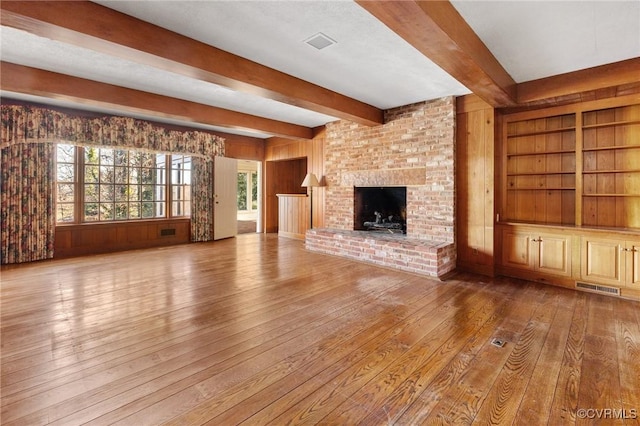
578 168
569 198
611 167
541 169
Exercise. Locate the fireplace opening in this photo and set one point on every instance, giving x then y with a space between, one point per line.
382 209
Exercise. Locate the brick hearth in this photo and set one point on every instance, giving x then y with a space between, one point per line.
414 148
390 250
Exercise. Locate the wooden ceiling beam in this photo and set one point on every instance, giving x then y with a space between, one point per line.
96 27
436 29
586 80
32 81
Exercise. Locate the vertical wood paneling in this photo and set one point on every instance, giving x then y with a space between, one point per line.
76 240
282 177
286 164
474 185
293 217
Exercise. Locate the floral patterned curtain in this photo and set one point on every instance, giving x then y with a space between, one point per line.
201 200
22 124
28 222
28 134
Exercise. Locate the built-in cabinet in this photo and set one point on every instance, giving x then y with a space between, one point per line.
611 261
568 201
571 256
573 168
532 250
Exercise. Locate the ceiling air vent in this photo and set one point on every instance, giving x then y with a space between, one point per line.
598 288
320 41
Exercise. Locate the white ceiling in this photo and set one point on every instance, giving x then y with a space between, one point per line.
536 39
369 62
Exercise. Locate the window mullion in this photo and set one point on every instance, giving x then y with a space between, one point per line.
79 184
249 190
168 188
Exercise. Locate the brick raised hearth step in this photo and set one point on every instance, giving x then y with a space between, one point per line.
432 258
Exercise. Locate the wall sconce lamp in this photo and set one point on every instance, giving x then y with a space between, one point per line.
310 180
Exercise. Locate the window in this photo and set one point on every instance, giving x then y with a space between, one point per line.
247 190
105 184
181 185
65 183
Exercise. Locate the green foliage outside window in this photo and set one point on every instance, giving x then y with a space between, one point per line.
118 184
242 191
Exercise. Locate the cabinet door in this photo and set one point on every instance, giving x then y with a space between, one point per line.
554 254
516 249
602 261
633 264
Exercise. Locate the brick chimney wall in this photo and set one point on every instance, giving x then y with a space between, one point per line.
414 148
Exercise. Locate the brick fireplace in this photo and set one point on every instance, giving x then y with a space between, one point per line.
413 149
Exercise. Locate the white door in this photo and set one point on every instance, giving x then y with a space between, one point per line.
225 202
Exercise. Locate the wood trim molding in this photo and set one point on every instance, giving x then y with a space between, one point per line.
96 27
436 29
32 81
604 76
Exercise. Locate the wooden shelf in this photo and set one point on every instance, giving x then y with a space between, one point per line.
609 148
578 144
542 189
568 172
543 132
610 124
610 171
560 151
611 195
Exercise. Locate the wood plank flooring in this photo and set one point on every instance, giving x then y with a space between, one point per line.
256 330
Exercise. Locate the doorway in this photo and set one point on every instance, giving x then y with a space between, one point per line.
248 196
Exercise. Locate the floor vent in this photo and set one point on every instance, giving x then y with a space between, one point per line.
499 342
167 232
598 288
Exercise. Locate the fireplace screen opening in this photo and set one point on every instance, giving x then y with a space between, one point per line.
382 209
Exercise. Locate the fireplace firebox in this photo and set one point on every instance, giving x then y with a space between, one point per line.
382 209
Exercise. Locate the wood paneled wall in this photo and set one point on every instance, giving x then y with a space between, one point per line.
243 147
293 217
285 176
281 177
78 240
475 159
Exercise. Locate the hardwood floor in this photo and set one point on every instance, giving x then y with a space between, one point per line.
246 226
257 330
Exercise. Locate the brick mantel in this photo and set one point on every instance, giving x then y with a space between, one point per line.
393 177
